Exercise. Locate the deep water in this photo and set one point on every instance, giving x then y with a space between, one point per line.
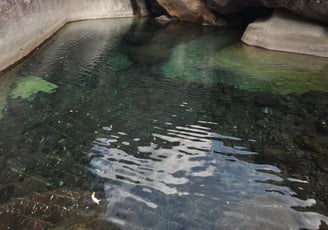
173 126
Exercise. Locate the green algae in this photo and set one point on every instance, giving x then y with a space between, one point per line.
27 86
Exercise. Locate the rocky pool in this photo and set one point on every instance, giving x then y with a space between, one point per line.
140 125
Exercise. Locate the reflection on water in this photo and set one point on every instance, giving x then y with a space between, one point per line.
186 178
173 128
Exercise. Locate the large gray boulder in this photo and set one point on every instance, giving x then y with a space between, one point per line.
284 31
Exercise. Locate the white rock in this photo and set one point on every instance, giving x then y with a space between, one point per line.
284 31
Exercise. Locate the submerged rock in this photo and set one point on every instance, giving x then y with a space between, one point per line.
284 31
280 73
43 210
322 125
163 18
219 58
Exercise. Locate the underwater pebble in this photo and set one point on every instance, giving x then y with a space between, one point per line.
106 128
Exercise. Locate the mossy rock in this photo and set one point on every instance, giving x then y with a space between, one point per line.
27 86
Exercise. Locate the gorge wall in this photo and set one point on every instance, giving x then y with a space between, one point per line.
25 24
298 26
204 10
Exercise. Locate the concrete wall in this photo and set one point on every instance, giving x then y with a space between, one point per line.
25 24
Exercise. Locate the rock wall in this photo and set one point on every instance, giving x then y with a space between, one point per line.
314 9
305 34
25 24
202 10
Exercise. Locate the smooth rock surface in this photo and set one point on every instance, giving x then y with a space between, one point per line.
317 9
189 10
285 31
199 11
25 24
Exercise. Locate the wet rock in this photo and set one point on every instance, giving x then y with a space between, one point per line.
150 54
163 18
322 126
43 210
189 10
273 72
6 192
85 223
196 11
307 143
321 162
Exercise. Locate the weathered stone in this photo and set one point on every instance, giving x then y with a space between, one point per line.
317 10
192 10
24 25
284 31
189 10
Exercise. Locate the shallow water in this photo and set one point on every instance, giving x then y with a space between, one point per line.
173 126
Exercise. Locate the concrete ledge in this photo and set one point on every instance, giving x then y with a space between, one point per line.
284 31
25 24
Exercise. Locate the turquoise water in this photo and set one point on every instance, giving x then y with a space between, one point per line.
172 126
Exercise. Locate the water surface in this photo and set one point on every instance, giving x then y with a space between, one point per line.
173 126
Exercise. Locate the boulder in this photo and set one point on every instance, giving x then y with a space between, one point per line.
203 10
163 18
317 10
284 31
189 10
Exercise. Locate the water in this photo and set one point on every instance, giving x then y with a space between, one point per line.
172 126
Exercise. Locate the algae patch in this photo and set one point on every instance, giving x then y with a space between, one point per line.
27 86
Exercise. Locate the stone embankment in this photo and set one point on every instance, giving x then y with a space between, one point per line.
25 24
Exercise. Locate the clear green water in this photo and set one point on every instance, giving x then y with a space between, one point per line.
173 127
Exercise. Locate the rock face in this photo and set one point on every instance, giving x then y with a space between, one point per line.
284 31
24 25
189 10
198 10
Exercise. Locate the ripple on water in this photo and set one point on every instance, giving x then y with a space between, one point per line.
185 177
